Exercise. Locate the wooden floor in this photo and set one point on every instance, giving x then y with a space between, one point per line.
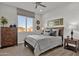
20 50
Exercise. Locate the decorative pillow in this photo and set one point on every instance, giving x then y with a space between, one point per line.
46 33
53 33
56 31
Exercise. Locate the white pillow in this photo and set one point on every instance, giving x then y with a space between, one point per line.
47 31
57 31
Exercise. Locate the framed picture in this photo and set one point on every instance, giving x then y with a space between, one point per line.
38 27
38 22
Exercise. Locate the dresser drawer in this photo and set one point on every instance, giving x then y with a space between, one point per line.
71 41
8 36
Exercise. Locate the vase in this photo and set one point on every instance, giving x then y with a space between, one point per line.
72 35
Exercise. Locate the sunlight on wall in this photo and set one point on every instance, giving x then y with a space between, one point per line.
73 25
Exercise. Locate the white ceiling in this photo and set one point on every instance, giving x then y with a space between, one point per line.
30 6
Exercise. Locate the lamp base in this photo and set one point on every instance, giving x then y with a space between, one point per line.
71 38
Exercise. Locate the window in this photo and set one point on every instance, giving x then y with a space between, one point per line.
25 24
29 24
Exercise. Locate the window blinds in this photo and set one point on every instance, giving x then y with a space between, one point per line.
25 13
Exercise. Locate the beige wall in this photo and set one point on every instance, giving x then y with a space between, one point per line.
9 12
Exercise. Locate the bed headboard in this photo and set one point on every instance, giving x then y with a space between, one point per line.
58 30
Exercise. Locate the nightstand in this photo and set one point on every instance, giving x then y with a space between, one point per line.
70 41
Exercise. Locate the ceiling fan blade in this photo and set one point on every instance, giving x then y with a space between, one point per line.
38 2
42 5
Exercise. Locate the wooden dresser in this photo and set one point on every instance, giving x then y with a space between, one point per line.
8 36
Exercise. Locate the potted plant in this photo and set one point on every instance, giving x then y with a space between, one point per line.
3 21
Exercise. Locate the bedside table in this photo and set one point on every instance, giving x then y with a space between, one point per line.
70 41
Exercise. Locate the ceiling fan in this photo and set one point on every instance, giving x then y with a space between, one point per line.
39 4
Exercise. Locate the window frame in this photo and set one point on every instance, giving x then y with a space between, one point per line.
26 23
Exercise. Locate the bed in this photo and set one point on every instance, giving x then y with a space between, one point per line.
42 43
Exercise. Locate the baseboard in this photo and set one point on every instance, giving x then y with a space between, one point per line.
21 42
